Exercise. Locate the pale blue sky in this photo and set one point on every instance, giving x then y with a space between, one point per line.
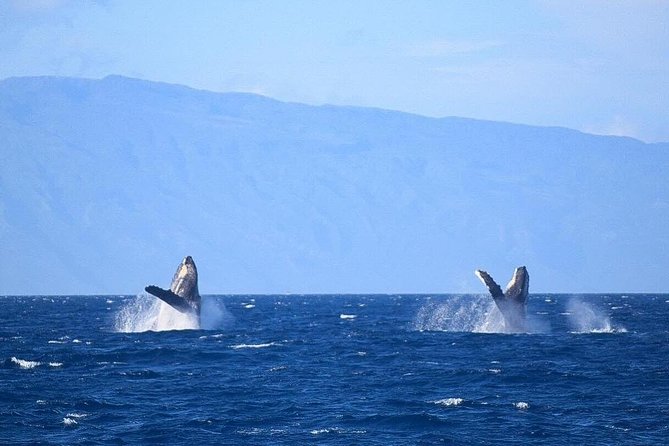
601 66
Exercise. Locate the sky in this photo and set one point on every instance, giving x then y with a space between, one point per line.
600 66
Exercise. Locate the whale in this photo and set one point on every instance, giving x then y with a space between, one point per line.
183 294
512 303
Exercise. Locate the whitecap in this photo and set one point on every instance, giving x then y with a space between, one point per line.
249 306
522 405
326 430
251 431
449 402
239 346
609 329
216 336
69 421
55 364
347 316
495 371
25 364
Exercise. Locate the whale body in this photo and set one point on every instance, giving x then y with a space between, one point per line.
183 294
512 302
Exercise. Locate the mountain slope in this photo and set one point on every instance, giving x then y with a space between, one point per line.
106 184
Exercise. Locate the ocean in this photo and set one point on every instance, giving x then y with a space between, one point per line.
334 370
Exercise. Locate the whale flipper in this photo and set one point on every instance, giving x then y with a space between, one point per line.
488 281
183 294
513 301
167 296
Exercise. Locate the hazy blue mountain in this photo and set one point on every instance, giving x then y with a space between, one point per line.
106 184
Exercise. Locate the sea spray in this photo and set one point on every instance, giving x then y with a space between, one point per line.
585 318
476 314
147 313
214 315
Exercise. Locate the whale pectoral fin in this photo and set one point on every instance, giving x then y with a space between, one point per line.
173 300
488 281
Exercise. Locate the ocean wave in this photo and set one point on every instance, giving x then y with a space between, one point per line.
336 430
240 346
24 363
606 329
216 336
67 421
449 402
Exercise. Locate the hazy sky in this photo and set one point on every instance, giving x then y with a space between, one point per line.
600 66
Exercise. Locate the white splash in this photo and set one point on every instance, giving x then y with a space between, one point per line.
521 405
347 316
147 313
584 318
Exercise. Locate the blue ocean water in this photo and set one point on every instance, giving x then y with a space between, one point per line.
369 369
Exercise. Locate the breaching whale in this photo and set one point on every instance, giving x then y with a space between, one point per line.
183 294
513 301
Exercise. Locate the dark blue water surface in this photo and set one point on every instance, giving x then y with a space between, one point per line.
340 370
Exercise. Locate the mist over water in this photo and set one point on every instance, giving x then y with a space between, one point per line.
585 318
147 313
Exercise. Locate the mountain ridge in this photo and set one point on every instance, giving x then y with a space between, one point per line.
107 184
